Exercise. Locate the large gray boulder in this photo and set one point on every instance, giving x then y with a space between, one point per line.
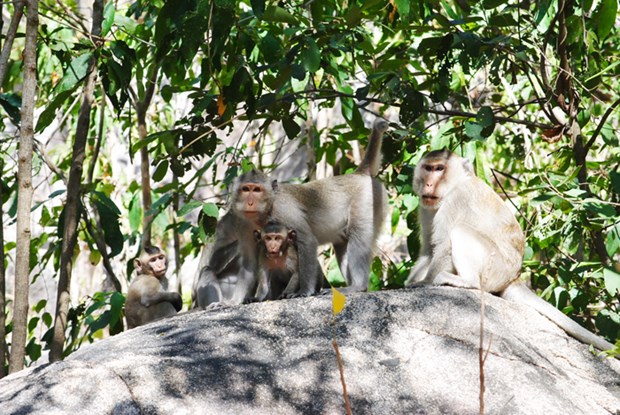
404 351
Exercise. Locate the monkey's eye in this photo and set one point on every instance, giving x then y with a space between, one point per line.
257 189
440 168
428 168
245 189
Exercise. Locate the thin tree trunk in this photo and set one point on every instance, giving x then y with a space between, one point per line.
95 232
24 196
71 211
3 346
10 37
175 236
141 109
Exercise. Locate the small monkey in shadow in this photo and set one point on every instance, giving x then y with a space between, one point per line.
147 298
471 239
278 263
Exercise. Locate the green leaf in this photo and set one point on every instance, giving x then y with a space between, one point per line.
258 7
403 7
612 241
160 204
473 130
291 128
605 17
109 216
135 213
503 20
108 18
12 104
160 171
211 210
49 113
194 204
39 306
615 181
312 56
612 281
278 14
75 72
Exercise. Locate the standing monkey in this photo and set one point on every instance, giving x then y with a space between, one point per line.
346 211
278 263
470 239
147 298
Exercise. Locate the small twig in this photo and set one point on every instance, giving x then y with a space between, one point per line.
341 368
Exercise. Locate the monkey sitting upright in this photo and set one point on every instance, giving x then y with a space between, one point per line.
147 298
278 262
471 239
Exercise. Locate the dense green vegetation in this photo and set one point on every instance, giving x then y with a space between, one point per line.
528 90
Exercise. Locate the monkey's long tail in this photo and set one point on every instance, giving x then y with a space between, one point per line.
372 159
520 293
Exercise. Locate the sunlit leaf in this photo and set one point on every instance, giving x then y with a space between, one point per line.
338 301
75 72
188 207
108 18
612 281
604 17
211 209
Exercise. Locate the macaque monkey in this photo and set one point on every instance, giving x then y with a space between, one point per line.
471 239
230 276
347 211
278 263
147 298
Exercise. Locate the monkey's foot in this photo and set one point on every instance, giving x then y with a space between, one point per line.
417 284
216 306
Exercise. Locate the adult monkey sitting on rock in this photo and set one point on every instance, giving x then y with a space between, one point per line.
471 239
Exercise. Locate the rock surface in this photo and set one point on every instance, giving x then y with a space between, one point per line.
404 351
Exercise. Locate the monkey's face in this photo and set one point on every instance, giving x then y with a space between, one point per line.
158 264
428 181
251 198
275 244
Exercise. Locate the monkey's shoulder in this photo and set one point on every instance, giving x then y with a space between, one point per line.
148 282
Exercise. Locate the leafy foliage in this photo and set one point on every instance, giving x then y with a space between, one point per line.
528 91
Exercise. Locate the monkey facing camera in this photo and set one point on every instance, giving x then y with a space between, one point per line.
147 298
278 263
346 211
471 239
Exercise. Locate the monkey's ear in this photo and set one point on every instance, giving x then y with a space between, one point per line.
468 166
274 184
137 264
292 235
257 235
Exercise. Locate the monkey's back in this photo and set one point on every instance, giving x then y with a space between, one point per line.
475 204
334 205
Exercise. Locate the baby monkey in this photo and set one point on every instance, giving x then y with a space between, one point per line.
147 298
278 262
